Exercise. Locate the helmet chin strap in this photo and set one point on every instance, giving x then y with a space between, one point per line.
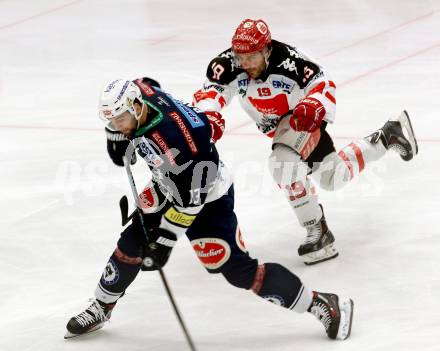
138 117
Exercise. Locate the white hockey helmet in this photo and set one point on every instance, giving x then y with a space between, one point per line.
116 98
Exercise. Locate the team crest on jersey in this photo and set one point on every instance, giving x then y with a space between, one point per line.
148 200
111 273
212 252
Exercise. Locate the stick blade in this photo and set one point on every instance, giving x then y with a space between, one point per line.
123 205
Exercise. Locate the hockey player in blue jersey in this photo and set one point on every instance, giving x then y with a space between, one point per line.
191 194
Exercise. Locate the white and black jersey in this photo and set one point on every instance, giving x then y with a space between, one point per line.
289 77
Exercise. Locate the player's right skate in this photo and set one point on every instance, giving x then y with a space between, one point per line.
319 243
93 318
397 134
336 314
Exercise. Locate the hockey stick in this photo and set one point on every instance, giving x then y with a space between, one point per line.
123 205
162 274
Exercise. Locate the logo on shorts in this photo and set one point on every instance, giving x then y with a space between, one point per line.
212 252
111 273
276 299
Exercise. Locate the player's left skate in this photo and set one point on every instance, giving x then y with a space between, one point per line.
93 318
397 134
335 313
319 243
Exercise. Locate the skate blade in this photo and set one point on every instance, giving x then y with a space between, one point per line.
325 254
346 307
70 335
408 131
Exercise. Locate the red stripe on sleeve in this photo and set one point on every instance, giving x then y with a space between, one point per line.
359 156
318 89
347 161
330 97
222 101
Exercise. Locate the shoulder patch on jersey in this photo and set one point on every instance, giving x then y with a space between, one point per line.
289 61
149 200
221 70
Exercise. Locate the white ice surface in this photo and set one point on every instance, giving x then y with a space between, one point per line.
59 191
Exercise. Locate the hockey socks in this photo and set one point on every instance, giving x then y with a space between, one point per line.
278 285
118 274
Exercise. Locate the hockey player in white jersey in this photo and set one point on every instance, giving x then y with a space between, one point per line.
291 98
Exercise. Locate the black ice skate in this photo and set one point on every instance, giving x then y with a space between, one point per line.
93 318
397 134
336 314
319 243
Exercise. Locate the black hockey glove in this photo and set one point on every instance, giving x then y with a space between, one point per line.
158 249
116 146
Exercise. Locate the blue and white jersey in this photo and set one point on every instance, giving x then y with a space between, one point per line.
176 144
